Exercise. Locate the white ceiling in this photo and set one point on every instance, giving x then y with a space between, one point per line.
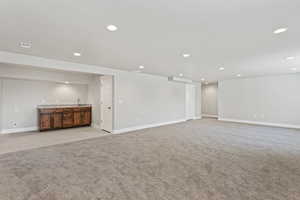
234 34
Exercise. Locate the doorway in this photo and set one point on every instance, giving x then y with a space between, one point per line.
107 83
210 100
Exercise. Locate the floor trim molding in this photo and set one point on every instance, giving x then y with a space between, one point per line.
207 115
260 123
135 128
18 130
198 117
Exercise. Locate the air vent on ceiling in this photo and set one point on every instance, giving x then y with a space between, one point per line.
26 45
178 79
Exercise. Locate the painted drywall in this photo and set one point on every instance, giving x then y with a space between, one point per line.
35 73
21 97
141 100
52 77
270 99
210 99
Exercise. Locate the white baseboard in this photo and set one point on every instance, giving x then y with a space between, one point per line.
199 117
260 123
135 128
18 130
207 115
193 118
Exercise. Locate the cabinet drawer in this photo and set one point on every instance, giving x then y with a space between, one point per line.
85 109
51 110
76 109
67 110
46 110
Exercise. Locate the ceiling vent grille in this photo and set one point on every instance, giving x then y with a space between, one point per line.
178 79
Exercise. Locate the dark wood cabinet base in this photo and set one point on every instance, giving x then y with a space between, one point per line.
68 117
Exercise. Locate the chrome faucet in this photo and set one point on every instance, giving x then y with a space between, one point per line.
78 101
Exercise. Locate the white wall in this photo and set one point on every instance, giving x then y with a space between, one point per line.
272 99
22 88
143 99
210 99
140 99
36 73
21 97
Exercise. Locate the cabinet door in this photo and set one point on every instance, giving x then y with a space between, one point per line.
77 118
45 121
86 118
57 120
68 119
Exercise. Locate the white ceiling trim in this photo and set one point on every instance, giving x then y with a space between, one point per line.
34 61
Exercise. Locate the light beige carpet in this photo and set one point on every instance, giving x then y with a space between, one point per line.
196 160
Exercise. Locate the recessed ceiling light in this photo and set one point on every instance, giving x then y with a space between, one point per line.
112 28
290 58
294 68
238 75
221 68
280 30
141 67
67 82
180 74
202 79
77 54
186 55
26 45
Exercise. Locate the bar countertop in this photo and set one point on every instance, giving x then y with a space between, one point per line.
63 106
